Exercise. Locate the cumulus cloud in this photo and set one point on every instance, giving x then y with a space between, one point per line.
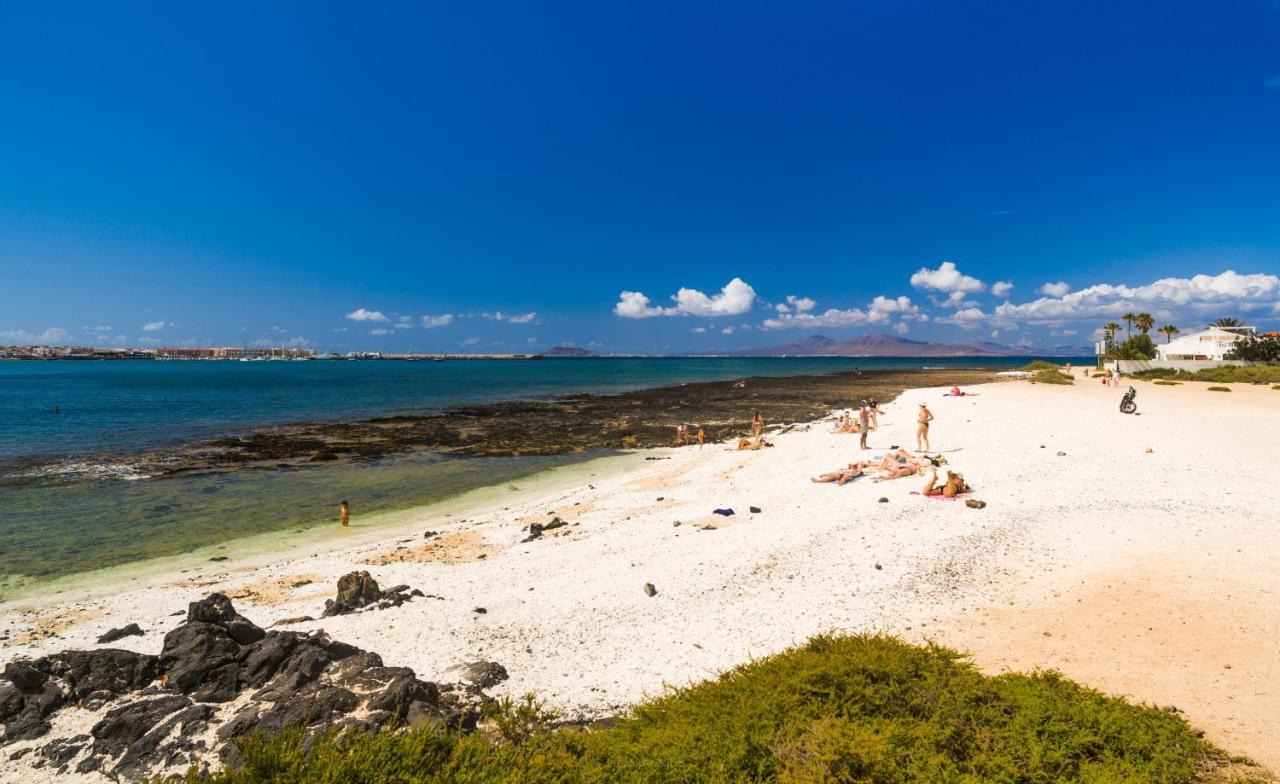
1001 288
736 298
727 331
1055 289
1164 298
469 342
431 322
154 326
698 330
968 318
880 311
361 314
946 278
520 318
50 336
901 328
797 304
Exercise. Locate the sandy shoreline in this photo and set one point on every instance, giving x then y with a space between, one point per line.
1139 573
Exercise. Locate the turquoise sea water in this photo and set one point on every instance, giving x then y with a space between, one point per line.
62 518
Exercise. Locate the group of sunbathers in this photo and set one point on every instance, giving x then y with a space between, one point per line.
894 465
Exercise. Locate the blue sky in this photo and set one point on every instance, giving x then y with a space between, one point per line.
502 176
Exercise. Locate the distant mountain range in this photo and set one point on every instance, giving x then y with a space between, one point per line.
893 346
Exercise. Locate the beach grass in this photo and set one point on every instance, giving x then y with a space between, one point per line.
1219 389
1248 374
1163 383
1039 364
1051 376
838 708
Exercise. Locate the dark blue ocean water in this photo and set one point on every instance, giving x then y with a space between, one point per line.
74 520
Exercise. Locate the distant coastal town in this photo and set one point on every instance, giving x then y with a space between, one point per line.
223 354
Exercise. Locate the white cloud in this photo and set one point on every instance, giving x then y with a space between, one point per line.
946 278
360 314
727 331
954 300
853 317
882 308
50 336
469 342
698 330
1001 288
431 322
901 328
521 318
799 304
967 318
1058 289
879 311
379 332
1165 298
736 298
154 326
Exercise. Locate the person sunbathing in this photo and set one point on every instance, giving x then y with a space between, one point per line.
954 485
845 475
896 471
745 444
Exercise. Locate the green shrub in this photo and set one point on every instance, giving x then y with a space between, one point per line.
1227 374
1168 383
1219 389
1052 376
838 709
1039 364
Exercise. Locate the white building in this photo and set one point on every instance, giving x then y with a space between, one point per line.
1211 344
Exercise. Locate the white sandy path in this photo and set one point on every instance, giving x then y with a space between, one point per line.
1146 574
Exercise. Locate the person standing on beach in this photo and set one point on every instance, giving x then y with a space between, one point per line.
864 424
757 425
875 412
922 428
344 514
702 436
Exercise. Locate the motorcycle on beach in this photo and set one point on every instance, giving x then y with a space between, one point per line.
1127 404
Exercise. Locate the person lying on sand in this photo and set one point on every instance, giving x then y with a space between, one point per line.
746 445
844 475
954 485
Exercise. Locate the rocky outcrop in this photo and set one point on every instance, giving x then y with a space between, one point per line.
358 590
164 713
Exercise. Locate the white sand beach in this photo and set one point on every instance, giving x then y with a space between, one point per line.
1136 554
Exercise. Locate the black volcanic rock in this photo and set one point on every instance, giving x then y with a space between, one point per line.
292 679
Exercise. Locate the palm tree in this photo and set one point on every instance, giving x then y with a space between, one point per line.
1109 331
1169 331
1225 322
1128 319
1144 322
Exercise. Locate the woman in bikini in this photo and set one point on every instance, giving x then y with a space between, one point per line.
922 429
757 425
955 485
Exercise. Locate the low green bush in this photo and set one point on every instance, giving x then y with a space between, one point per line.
1168 383
1039 364
1052 376
1228 374
836 709
1219 389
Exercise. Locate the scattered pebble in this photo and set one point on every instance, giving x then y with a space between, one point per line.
883 500
649 590
479 611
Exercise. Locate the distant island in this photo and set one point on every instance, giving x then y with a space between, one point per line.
567 352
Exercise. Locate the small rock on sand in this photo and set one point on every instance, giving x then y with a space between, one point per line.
974 503
119 634
754 509
649 590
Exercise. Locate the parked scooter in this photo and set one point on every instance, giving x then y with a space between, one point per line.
1127 406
